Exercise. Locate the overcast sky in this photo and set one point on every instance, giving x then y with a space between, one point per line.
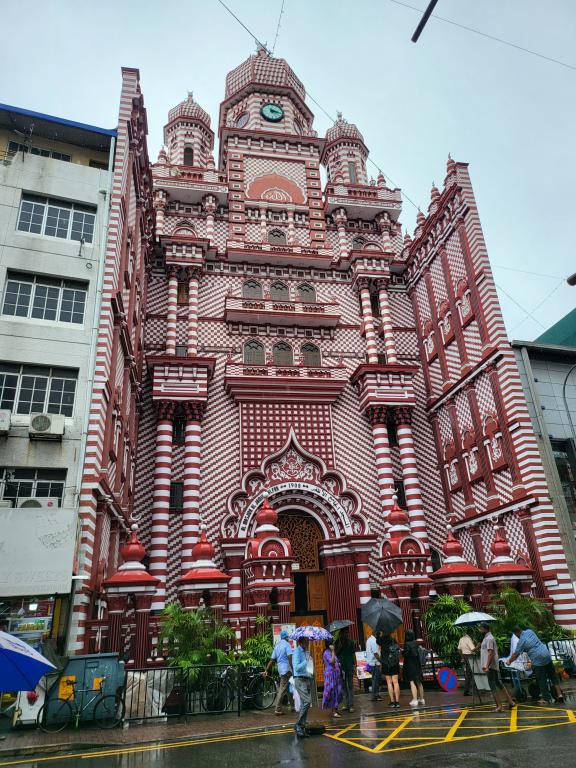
509 114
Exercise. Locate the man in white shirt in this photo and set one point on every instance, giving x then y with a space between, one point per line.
466 649
374 662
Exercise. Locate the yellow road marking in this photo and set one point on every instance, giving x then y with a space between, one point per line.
351 743
571 715
394 733
514 719
348 728
452 732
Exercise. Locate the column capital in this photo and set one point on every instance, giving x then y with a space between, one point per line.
164 409
194 272
194 410
378 414
363 282
403 416
172 270
382 283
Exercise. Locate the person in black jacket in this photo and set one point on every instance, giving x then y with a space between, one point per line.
390 655
412 669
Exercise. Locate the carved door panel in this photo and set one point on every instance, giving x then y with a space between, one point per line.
317 596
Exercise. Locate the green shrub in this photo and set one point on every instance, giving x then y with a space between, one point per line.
439 620
194 637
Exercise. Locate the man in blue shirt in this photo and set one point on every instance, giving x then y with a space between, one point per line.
542 664
302 684
281 654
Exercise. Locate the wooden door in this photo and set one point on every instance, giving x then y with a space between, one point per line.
316 646
317 596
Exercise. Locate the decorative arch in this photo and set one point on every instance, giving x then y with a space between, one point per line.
277 237
293 478
252 289
275 188
254 353
306 293
282 353
279 291
311 357
188 155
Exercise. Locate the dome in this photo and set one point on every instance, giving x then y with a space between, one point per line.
342 129
264 69
189 109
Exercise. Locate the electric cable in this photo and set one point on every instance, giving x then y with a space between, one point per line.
278 27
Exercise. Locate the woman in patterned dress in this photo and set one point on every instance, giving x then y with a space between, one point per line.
332 695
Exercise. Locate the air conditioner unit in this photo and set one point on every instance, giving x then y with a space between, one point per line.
46 426
36 502
5 421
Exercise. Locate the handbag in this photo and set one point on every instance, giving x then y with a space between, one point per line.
310 666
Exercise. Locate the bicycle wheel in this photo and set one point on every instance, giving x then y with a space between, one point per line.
109 711
217 696
263 692
54 715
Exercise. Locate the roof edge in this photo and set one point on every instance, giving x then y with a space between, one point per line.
59 120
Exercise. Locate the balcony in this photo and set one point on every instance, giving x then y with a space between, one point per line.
363 201
180 379
288 255
191 185
284 383
390 385
285 313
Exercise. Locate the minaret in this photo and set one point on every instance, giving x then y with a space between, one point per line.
188 136
345 154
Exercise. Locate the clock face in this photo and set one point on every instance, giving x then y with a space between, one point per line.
272 112
242 120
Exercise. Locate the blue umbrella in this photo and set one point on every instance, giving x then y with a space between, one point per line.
21 667
312 633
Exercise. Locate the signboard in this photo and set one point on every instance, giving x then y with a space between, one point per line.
278 628
361 666
36 551
447 679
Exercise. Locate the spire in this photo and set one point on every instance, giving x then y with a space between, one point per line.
266 519
131 572
434 193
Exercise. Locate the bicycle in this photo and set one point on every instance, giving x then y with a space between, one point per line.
56 714
219 694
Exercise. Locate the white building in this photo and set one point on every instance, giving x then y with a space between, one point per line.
55 178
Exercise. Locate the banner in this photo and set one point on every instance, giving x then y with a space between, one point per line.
36 551
361 664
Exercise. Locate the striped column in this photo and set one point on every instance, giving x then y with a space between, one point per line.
160 202
263 225
368 321
161 501
386 318
193 282
362 559
414 505
340 220
172 310
191 501
384 467
209 204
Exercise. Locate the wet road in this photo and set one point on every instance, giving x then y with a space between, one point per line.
451 737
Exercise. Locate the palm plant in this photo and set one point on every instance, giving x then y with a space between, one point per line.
258 648
194 637
439 620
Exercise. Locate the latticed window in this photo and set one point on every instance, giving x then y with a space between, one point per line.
279 292
252 290
188 156
306 293
277 237
254 353
183 292
352 175
282 353
311 355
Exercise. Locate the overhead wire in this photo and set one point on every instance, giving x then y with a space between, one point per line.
490 37
278 27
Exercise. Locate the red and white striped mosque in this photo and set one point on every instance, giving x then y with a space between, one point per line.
328 409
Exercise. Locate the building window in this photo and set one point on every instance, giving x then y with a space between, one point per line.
56 218
277 237
14 146
188 156
97 164
183 290
179 429
311 355
400 494
252 290
436 559
254 353
352 173
19 484
181 350
279 292
176 495
282 354
392 431
306 293
29 389
44 298
566 465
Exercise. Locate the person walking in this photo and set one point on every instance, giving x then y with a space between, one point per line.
466 649
281 654
489 663
390 656
412 669
332 695
302 684
542 664
374 663
346 653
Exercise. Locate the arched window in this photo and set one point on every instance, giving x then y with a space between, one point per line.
277 237
306 293
311 355
282 353
188 156
358 243
252 290
279 292
352 175
254 353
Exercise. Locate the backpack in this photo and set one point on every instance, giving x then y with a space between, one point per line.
392 658
422 655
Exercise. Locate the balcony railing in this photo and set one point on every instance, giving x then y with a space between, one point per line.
285 312
251 381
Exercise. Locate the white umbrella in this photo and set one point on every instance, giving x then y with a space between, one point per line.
472 617
20 665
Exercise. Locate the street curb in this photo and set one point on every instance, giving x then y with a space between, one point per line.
77 746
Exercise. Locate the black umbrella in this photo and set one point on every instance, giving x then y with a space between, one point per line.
339 624
381 615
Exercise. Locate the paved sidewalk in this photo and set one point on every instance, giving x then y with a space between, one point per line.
30 740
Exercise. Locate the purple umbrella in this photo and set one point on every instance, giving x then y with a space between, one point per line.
312 633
